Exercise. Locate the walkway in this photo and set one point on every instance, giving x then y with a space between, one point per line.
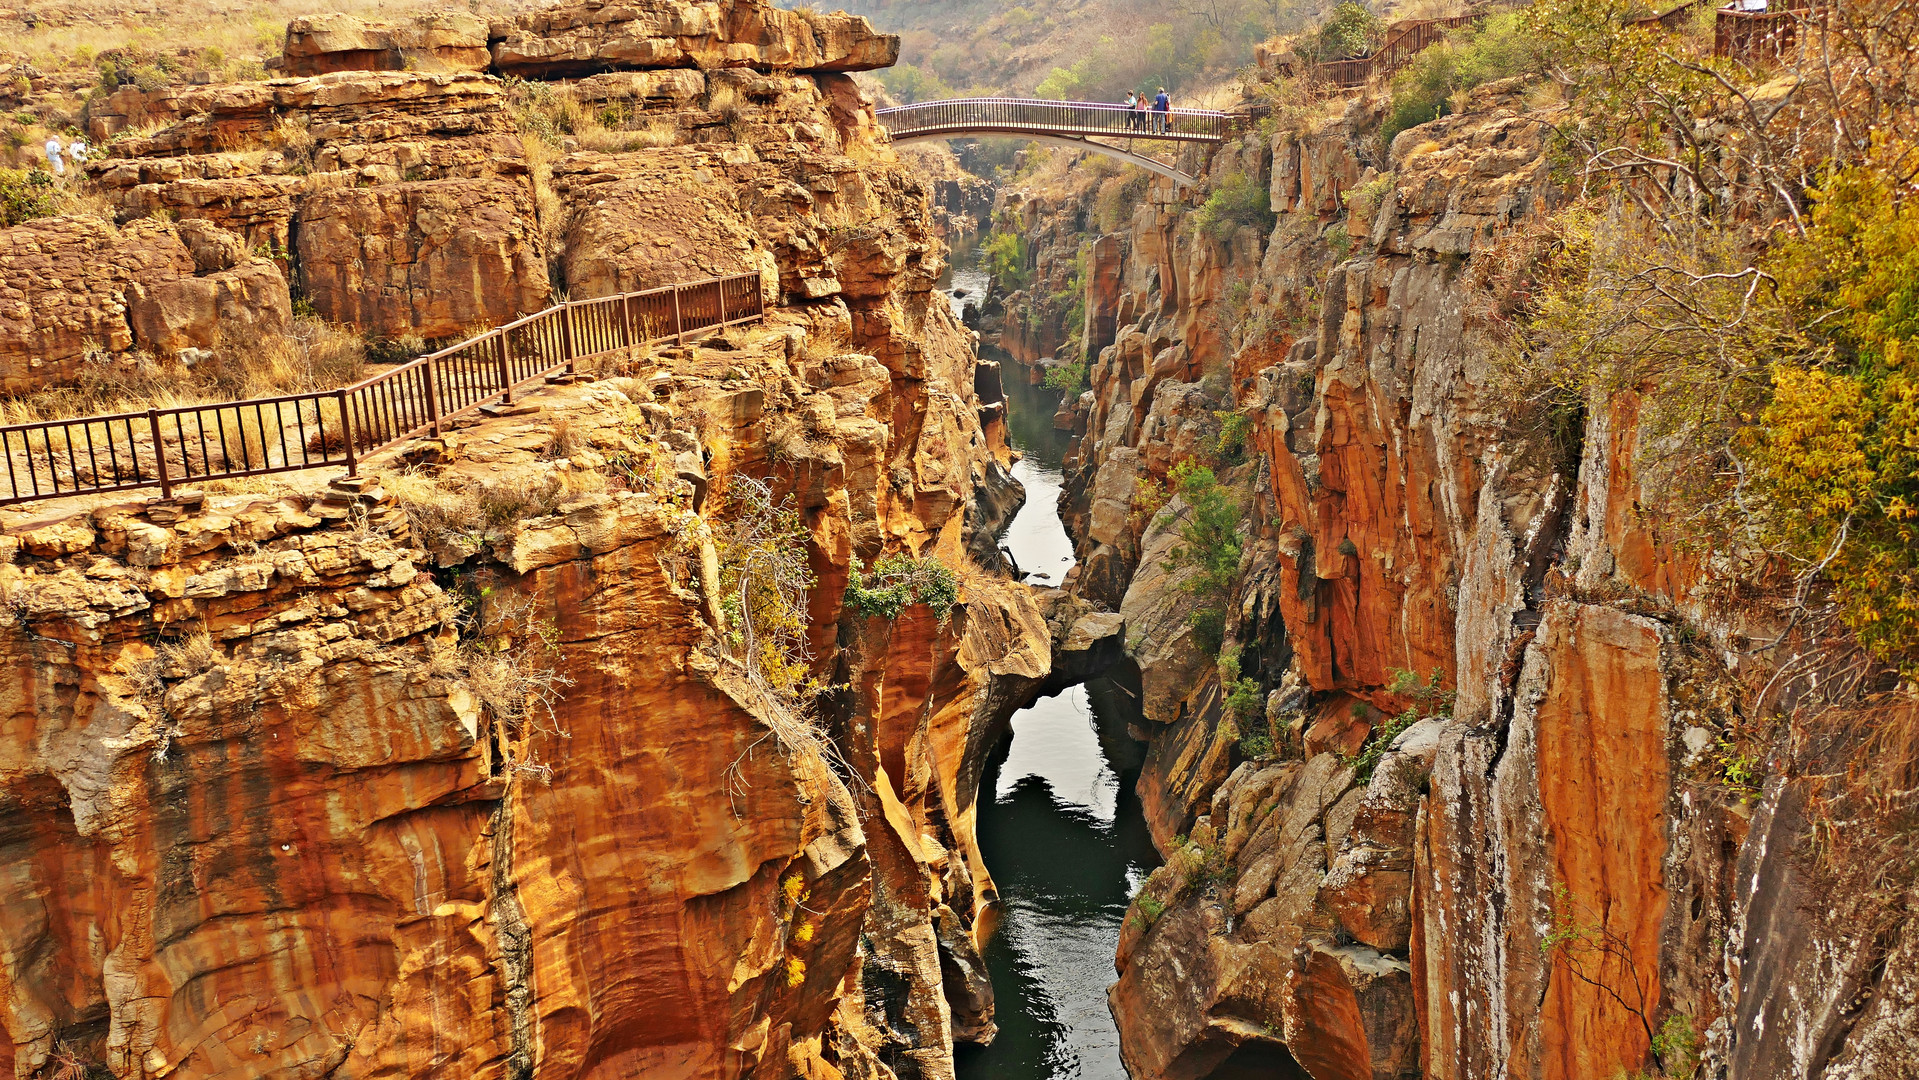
1072 124
191 444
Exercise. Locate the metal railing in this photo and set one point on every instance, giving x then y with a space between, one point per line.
1757 37
226 440
1396 53
960 116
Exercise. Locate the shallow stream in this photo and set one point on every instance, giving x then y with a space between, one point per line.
1059 823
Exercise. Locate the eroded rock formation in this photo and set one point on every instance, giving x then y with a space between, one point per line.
456 772
1545 867
75 286
392 182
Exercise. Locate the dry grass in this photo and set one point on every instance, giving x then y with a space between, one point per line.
554 114
1865 821
215 36
313 355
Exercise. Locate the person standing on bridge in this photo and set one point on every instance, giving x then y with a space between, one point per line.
1161 106
1132 110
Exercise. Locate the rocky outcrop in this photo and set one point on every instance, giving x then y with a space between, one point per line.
1549 868
436 258
391 181
438 41
578 39
74 287
459 771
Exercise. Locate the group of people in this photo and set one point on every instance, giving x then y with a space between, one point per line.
75 150
1152 117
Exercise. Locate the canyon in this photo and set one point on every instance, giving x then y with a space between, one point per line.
657 722
455 769
1541 868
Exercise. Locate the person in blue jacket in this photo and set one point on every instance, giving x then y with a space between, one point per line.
1161 104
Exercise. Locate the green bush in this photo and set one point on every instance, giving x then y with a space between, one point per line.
1234 427
909 83
25 195
1502 46
1068 379
1428 700
1350 31
898 580
1005 254
1210 545
1239 199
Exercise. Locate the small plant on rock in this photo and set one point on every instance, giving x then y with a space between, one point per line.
1210 546
898 580
1428 700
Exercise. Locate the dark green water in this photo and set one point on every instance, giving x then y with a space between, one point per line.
1059 823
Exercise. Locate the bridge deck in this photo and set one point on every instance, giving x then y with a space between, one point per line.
1015 116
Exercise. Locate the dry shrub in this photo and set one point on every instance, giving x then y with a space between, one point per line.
764 580
312 355
565 440
192 655
297 144
1864 817
507 504
455 519
509 664
443 518
66 1063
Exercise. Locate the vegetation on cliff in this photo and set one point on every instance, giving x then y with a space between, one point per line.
1775 362
1093 51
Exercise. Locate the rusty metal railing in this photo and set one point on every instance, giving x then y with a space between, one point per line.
168 447
1757 37
1396 53
1014 116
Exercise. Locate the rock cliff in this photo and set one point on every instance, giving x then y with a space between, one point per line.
1476 786
398 185
471 768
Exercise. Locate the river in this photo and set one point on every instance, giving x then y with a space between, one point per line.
1059 822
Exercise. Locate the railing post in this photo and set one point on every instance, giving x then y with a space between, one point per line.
626 323
346 432
159 454
432 403
566 335
679 325
506 378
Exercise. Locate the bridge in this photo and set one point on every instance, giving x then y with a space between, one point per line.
1072 124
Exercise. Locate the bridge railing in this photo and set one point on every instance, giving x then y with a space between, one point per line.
227 440
1014 115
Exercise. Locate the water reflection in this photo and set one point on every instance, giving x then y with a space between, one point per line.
1059 823
1062 832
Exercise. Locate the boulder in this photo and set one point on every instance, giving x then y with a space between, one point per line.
435 41
586 37
434 258
76 284
1158 610
237 306
637 221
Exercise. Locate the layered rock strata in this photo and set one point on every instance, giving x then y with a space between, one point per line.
459 771
73 288
393 184
1545 868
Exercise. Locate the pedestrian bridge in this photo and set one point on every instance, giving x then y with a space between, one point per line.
1073 124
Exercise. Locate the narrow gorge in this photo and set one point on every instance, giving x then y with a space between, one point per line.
1325 615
